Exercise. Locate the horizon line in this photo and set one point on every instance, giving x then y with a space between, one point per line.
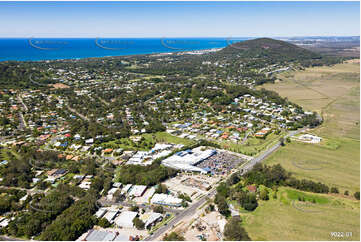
164 37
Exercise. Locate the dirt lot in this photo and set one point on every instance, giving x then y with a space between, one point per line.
201 224
193 185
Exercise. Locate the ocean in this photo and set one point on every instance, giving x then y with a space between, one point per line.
39 49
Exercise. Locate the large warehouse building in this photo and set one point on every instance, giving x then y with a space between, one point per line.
188 159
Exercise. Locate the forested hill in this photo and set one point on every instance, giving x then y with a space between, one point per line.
269 48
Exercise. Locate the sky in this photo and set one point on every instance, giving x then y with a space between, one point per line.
179 19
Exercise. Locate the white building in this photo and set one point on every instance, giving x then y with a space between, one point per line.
150 219
125 219
126 188
110 194
100 213
110 215
4 222
137 190
309 138
188 159
164 199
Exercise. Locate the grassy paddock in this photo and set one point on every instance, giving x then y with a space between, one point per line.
335 167
334 92
293 220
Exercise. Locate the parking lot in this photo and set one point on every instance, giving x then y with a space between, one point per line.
221 163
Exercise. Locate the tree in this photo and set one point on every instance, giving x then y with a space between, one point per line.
234 179
346 193
173 237
248 201
234 231
161 188
357 195
158 209
185 197
139 224
223 190
334 190
119 196
104 223
222 205
282 141
264 195
134 208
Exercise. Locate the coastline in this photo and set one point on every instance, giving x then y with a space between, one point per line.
64 49
180 52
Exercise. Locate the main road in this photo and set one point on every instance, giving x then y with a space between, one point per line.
193 208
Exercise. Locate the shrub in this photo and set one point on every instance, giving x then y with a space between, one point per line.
357 195
334 190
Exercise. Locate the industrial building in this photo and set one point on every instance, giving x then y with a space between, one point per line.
150 219
164 199
98 235
137 190
125 219
188 159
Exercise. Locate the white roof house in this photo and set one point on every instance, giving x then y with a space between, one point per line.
117 184
24 198
89 141
125 219
4 222
85 185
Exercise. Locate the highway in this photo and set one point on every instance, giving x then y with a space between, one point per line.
192 209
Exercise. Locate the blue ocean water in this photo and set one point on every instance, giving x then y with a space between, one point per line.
37 49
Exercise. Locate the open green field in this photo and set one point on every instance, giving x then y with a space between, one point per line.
334 92
148 143
286 218
167 138
334 167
